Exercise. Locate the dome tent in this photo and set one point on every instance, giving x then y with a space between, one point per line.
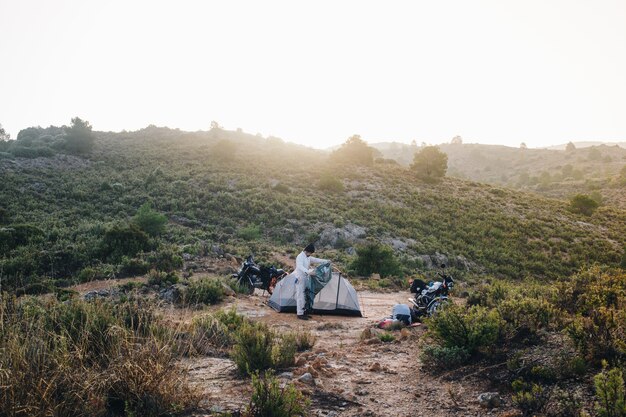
337 297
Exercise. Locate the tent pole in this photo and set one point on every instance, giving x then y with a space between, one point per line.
337 299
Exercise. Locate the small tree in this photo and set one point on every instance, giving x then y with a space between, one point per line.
374 258
570 147
457 140
354 151
523 145
610 393
430 163
150 221
78 137
3 134
583 204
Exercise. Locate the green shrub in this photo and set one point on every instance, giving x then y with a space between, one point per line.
253 348
123 240
583 204
595 297
284 351
79 137
330 183
374 258
386 337
471 329
204 291
164 259
305 340
133 266
430 163
526 316
150 221
209 334
530 398
250 232
231 319
162 279
354 151
269 400
441 357
610 393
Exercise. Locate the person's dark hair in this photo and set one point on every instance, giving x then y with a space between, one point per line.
309 248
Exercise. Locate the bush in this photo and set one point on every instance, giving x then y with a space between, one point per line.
209 334
354 151
251 232
123 240
530 398
269 400
133 266
284 352
600 335
583 204
150 221
471 329
79 138
305 340
444 357
204 291
253 348
595 298
526 316
386 337
96 272
215 331
330 183
430 163
610 393
164 259
375 258
162 279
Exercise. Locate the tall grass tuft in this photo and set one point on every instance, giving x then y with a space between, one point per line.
87 359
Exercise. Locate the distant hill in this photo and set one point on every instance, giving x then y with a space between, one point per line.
588 144
66 218
550 172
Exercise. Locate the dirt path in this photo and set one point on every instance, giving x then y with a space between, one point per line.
352 377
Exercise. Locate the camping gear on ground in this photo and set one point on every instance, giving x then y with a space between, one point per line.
400 316
336 296
251 276
432 297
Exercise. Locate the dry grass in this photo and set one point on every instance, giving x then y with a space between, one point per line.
87 359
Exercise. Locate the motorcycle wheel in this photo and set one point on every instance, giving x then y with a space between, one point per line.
250 288
437 305
244 284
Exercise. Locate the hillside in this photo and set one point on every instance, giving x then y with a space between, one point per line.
553 173
66 218
171 208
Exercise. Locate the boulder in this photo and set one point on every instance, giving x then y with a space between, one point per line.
172 294
307 378
489 400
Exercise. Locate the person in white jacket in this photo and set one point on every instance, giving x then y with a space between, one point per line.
303 270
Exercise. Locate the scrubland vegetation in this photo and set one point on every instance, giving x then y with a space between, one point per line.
542 285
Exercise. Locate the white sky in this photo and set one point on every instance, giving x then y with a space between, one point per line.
539 71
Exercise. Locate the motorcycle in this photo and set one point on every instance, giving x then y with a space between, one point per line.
251 276
430 298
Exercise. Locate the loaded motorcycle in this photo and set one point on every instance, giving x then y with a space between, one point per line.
251 276
430 298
